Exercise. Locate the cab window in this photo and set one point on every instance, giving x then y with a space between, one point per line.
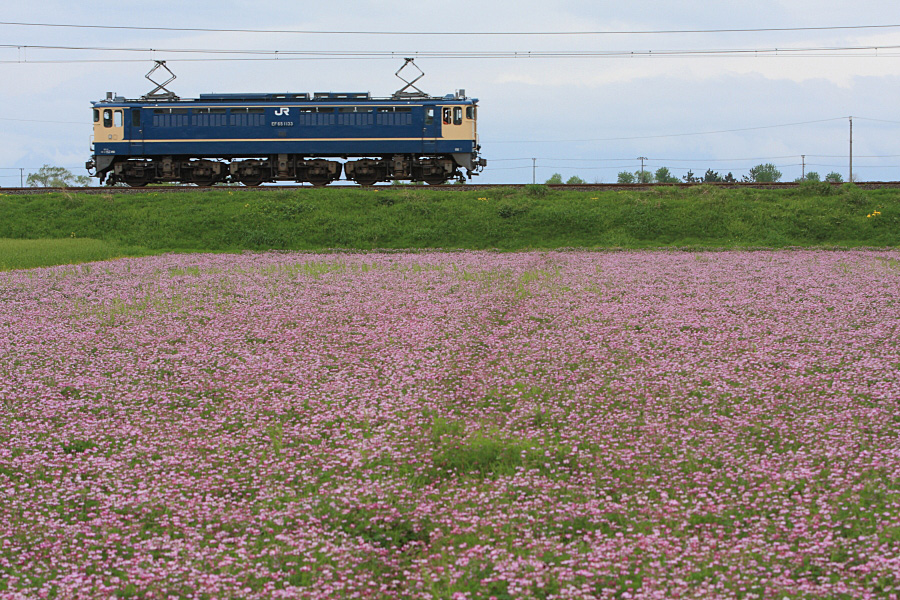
446 117
429 116
457 115
96 116
470 113
107 117
117 118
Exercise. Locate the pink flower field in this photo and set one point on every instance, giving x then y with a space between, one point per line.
453 425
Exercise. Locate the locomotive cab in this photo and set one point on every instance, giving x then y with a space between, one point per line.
459 129
109 124
458 122
110 134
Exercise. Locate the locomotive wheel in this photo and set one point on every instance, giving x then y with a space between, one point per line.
252 182
435 180
319 181
366 180
203 181
134 182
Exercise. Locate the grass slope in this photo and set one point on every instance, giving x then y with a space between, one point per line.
412 217
27 254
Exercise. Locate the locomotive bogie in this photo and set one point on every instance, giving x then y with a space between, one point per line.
435 171
432 170
284 167
138 173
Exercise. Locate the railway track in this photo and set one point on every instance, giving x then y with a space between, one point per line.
592 187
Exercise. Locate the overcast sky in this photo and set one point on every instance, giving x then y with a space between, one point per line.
590 117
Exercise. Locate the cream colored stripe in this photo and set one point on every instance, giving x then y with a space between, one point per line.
417 139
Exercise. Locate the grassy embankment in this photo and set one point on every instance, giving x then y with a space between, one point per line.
26 254
72 227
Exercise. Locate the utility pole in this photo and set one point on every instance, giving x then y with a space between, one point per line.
21 177
642 159
851 149
533 171
803 168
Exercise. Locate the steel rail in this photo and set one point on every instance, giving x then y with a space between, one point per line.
592 187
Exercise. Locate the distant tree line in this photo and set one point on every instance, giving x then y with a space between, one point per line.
49 176
764 173
573 180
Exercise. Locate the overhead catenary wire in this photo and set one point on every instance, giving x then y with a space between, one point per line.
456 33
397 55
281 54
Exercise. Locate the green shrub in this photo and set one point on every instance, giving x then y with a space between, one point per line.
853 195
536 190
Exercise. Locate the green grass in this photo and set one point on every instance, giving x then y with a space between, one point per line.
28 253
225 220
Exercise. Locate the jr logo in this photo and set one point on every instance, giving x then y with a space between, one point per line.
282 111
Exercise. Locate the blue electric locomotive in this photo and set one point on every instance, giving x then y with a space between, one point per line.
257 138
